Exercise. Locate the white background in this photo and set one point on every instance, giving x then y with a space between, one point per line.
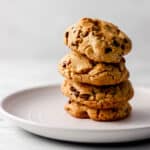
31 43
32 30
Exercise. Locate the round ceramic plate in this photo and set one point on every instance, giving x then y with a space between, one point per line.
40 110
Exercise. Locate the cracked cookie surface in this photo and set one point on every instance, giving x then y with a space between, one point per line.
82 111
99 40
79 68
102 97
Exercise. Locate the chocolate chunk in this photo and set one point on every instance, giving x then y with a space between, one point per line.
85 96
76 93
78 34
72 88
125 40
66 37
123 46
115 43
93 92
94 63
123 59
100 36
69 102
98 112
115 65
66 34
96 22
85 34
107 50
65 63
74 44
113 109
118 31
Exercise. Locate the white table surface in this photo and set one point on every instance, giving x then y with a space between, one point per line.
16 75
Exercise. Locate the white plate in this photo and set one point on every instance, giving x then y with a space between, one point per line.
40 111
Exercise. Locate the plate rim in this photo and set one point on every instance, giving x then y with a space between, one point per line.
14 118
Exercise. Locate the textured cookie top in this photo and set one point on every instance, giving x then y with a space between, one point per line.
80 64
75 62
119 92
82 111
77 67
99 40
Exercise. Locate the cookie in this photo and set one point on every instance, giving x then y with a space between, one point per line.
102 97
99 40
79 68
82 111
98 104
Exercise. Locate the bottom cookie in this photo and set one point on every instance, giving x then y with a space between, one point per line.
81 111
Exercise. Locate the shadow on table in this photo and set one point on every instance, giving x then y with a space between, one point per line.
138 145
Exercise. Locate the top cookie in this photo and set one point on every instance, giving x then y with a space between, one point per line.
99 40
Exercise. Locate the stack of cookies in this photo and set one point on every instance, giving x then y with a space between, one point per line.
96 81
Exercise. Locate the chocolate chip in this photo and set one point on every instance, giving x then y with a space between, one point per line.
66 37
66 34
78 34
118 31
107 50
65 63
113 109
100 36
93 92
85 34
123 60
84 96
123 46
69 102
96 22
102 115
115 43
125 40
93 63
116 65
74 44
98 112
72 88
76 93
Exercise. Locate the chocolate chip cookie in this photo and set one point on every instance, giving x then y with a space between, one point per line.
79 68
82 111
102 97
98 104
99 40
